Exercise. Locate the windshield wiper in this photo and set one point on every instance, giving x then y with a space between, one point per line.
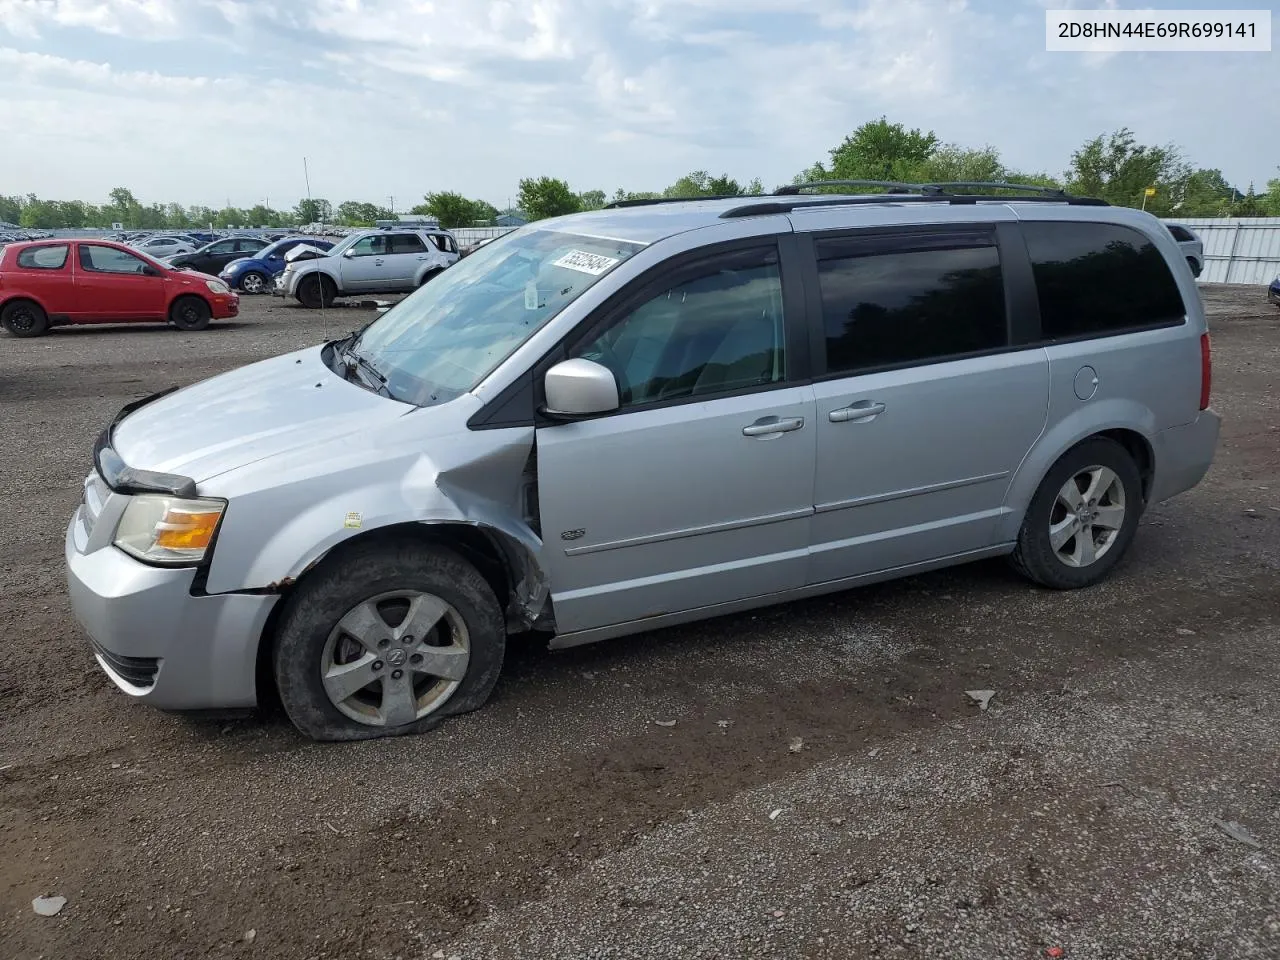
378 381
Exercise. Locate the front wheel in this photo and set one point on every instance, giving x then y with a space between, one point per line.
386 639
1083 517
315 291
190 314
253 282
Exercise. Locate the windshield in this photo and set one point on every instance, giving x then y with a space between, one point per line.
271 248
345 242
444 339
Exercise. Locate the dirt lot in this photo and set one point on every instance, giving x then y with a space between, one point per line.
1078 811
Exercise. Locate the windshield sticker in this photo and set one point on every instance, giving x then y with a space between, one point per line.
592 263
531 295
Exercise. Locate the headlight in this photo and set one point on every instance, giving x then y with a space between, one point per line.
217 286
168 530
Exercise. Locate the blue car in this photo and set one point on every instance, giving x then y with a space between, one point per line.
254 274
1273 291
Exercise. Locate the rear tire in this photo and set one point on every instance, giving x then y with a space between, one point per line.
1072 539
316 291
348 619
190 314
253 282
24 318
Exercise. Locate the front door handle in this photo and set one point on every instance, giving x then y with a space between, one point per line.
859 412
424 258
772 426
377 261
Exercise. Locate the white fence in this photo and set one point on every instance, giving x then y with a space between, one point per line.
466 236
1238 249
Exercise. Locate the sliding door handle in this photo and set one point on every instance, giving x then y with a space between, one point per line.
772 426
858 412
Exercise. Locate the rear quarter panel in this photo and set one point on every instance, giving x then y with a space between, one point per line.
1147 381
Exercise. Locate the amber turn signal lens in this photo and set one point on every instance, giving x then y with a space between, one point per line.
186 530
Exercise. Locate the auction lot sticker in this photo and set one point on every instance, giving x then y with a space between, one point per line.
592 263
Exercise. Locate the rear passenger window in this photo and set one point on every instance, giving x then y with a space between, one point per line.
43 258
407 243
907 306
1095 279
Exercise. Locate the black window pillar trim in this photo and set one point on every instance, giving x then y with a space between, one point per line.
1022 303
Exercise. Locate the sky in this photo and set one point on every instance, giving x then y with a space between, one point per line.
218 101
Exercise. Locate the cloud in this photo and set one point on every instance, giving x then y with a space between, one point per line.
198 100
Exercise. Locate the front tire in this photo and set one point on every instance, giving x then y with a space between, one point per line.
1082 518
190 314
253 282
316 291
24 318
387 638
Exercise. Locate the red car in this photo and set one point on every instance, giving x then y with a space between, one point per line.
47 283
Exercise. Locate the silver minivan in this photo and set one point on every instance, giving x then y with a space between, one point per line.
641 416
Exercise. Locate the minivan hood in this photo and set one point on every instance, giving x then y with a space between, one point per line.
249 414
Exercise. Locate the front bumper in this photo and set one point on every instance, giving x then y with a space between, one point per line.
225 305
152 637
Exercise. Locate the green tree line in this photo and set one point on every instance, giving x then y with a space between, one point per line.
1112 166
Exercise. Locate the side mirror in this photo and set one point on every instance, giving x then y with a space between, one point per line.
576 388
348 253
149 271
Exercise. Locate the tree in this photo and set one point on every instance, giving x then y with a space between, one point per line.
357 213
877 150
591 199
702 184
547 197
10 209
452 209
313 211
1116 168
620 195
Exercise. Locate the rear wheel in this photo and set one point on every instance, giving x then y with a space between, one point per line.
23 318
190 314
316 291
1082 518
253 282
385 639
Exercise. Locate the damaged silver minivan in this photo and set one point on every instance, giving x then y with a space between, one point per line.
641 416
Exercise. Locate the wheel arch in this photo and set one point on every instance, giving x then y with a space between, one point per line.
1130 424
503 561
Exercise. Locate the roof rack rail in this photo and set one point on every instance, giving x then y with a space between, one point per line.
646 201
766 207
893 186
943 187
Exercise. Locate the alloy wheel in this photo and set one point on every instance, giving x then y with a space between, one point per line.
1087 516
395 658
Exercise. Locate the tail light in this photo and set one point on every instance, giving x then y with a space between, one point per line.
1206 371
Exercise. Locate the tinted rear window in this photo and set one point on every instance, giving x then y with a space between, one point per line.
911 306
1099 278
43 258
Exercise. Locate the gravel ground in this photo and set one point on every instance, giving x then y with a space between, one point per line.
827 789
